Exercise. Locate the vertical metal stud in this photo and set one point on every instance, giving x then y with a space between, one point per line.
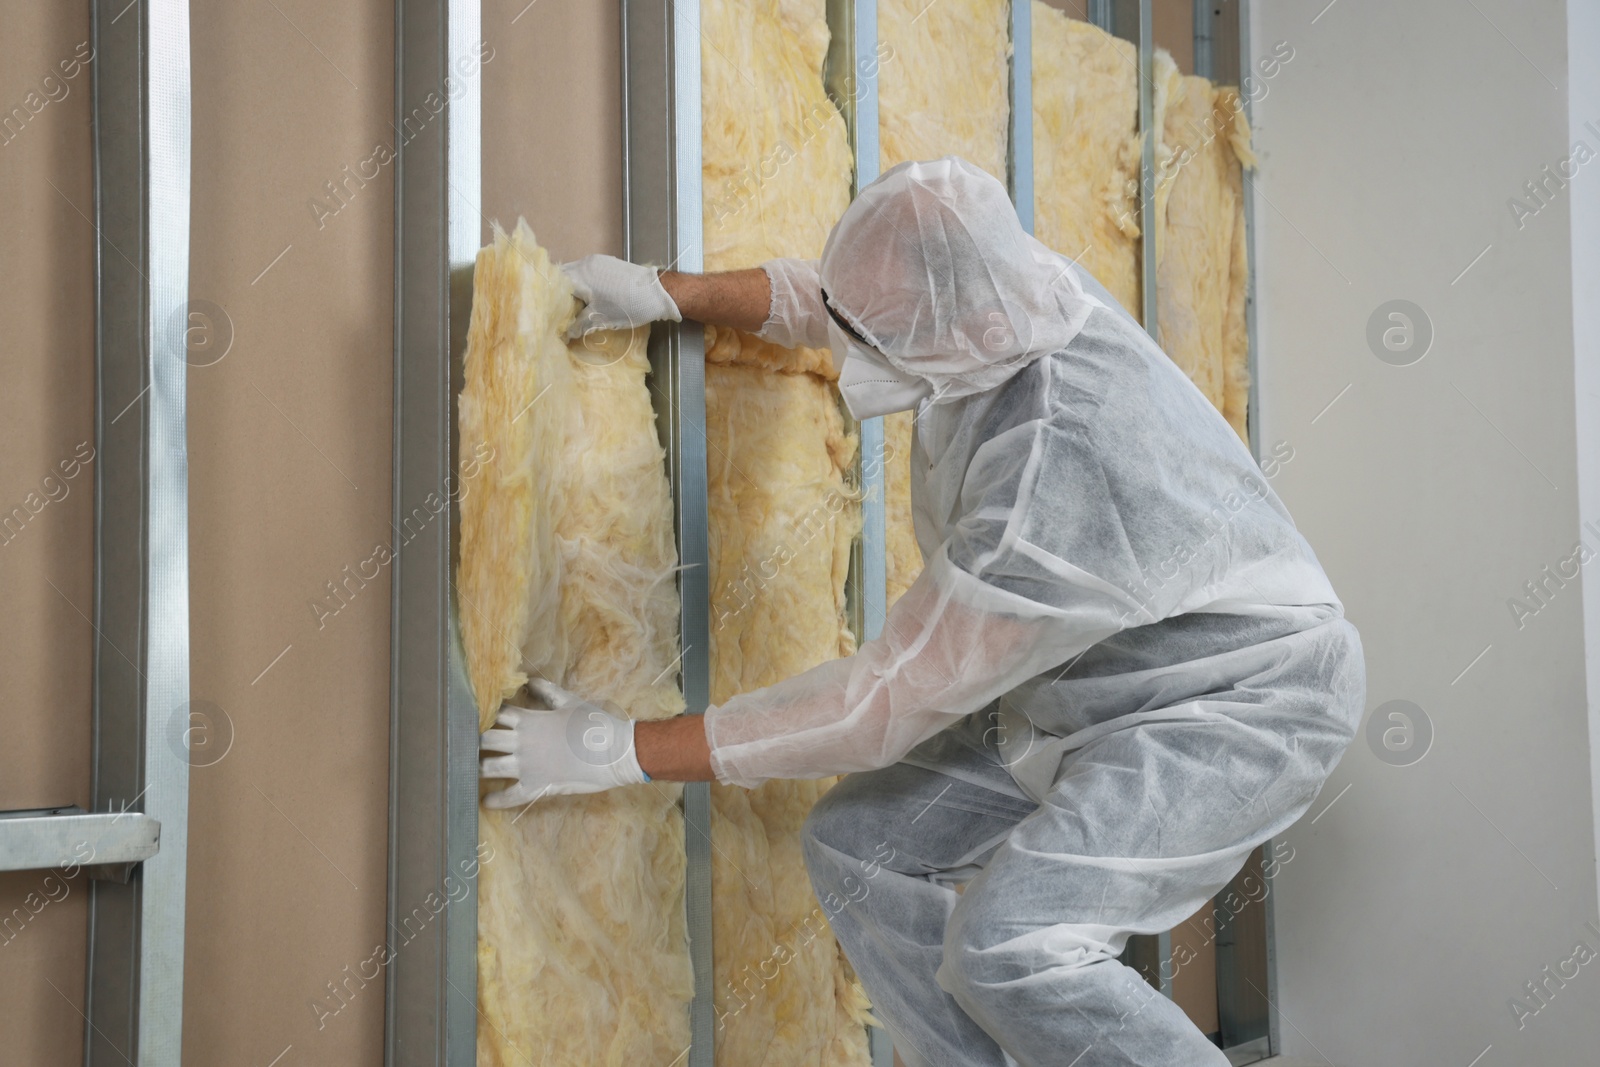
431 981
1204 65
1252 416
1253 429
663 225
1019 163
141 605
850 75
1147 172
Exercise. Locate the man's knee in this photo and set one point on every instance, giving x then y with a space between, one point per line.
987 950
832 826
975 961
850 818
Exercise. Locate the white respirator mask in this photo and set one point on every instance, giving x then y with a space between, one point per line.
870 385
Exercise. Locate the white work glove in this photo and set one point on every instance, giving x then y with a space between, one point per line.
573 747
620 295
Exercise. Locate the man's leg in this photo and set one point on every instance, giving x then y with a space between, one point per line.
1142 826
884 850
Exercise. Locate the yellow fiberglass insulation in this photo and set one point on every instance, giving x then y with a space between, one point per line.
903 560
567 572
782 523
777 172
1086 149
942 91
777 175
1201 253
942 86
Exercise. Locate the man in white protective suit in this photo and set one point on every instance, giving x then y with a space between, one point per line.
1120 671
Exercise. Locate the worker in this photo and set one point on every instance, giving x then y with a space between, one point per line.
1120 671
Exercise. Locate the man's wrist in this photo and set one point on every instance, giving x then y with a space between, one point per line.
673 750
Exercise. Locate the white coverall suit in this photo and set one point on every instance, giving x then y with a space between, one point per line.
1121 670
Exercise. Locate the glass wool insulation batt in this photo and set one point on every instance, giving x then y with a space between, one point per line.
567 572
1086 149
1203 259
1086 170
942 91
777 171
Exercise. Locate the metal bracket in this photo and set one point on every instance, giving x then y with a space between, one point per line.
102 844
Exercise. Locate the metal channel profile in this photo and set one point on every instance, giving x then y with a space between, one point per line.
1147 172
141 608
431 983
1274 1038
1019 164
662 225
1204 19
850 76
1252 416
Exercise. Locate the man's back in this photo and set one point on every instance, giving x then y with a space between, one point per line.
1135 479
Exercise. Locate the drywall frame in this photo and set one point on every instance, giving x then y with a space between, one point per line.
433 818
431 1000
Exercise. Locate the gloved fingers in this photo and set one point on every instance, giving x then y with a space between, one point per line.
587 322
498 741
510 716
578 277
510 797
499 767
552 695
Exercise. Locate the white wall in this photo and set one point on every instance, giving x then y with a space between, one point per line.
1419 904
1583 51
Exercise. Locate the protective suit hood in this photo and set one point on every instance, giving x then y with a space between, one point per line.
931 268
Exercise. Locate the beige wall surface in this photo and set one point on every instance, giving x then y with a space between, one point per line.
46 518
552 122
289 443
290 459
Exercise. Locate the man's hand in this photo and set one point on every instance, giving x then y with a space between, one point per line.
573 747
618 295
